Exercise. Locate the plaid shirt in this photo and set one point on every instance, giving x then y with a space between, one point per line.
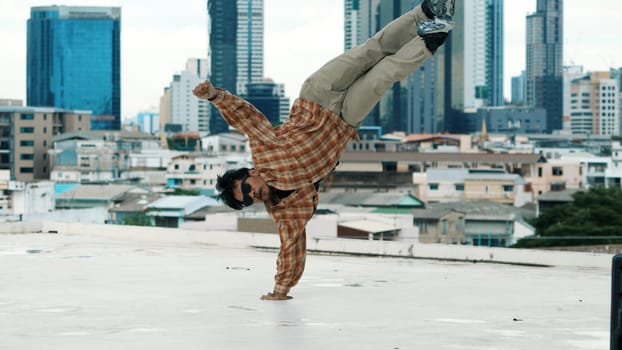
291 156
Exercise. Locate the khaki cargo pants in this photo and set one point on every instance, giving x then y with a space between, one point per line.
352 83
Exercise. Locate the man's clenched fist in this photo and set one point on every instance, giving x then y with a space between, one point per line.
205 90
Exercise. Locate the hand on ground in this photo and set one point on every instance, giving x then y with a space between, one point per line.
272 296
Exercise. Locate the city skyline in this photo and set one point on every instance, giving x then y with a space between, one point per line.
309 34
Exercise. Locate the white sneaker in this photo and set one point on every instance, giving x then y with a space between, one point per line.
436 25
441 8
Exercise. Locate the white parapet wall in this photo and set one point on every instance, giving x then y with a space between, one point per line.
324 245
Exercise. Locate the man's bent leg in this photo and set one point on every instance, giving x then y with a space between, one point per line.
369 88
328 85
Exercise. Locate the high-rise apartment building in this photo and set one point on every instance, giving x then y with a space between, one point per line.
544 83
26 136
617 74
186 110
570 74
74 61
235 48
351 23
471 90
250 48
595 105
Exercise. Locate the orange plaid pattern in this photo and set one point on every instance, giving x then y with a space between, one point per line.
291 156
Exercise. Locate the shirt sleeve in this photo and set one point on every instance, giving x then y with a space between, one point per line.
243 116
290 262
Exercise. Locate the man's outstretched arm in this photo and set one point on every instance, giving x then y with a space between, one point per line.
237 112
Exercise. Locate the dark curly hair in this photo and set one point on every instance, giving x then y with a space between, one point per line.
225 184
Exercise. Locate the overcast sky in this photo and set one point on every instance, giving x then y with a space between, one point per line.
300 35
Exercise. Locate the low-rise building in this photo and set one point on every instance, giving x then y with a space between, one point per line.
195 172
450 185
85 158
478 223
171 211
26 135
91 196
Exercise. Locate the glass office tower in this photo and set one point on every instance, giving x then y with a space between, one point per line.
544 61
235 49
74 61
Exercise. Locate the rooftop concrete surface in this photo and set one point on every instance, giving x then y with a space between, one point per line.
103 290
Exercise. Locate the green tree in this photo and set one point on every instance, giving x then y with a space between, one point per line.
183 192
138 219
595 217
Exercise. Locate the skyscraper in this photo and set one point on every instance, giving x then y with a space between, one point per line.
351 24
74 61
222 53
250 51
544 81
494 52
235 48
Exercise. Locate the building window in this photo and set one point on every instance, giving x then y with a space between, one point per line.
558 171
459 187
27 117
540 172
508 188
422 225
444 226
26 170
460 227
45 130
27 143
27 130
433 187
26 156
558 186
176 167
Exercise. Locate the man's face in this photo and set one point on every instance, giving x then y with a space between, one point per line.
251 189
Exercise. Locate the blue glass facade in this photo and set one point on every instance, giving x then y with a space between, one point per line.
223 24
73 61
494 52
